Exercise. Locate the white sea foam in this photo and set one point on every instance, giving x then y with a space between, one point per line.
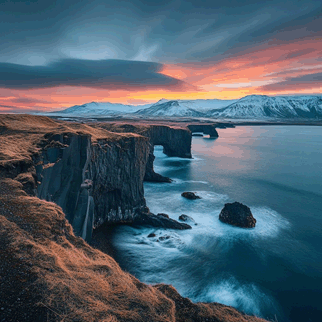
246 297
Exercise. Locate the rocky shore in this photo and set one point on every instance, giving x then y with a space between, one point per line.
60 180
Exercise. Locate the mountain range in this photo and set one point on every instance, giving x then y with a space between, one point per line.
248 107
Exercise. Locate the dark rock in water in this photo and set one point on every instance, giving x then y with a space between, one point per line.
164 237
205 129
151 235
150 220
237 214
190 195
163 215
186 218
150 175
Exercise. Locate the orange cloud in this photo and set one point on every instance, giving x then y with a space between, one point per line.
252 71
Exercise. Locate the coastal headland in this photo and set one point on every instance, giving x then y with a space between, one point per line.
60 180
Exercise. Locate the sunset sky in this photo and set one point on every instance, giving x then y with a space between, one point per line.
56 54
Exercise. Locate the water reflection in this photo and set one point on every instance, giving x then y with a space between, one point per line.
227 156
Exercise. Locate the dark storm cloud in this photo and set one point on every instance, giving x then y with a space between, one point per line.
296 83
35 32
107 74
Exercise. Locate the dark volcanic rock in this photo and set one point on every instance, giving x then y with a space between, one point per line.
150 175
163 215
237 214
205 128
164 237
145 218
186 218
190 195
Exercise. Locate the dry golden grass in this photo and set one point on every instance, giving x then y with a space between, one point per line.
74 280
21 135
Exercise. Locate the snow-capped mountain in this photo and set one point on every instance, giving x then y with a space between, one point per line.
263 107
248 107
170 108
99 109
195 108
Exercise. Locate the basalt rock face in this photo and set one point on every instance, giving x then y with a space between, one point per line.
61 170
150 174
93 182
101 181
117 170
176 142
237 214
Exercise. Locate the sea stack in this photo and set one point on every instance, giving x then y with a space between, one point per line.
237 214
190 195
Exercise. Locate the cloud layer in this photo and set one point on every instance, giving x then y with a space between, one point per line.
106 74
140 50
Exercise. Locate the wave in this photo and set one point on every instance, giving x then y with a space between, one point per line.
246 297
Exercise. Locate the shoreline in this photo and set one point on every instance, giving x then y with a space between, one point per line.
185 120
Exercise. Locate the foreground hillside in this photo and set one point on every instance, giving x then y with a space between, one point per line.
49 274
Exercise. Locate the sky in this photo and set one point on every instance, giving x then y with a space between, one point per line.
56 54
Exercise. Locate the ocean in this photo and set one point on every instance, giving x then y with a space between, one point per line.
272 271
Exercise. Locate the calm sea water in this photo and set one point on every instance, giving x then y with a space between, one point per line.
272 271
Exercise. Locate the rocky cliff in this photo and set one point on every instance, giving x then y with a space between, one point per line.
95 175
50 171
176 142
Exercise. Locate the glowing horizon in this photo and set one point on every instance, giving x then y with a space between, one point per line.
140 56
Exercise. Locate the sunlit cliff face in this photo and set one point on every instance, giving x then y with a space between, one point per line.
73 52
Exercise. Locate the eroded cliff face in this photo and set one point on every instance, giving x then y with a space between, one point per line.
93 182
117 170
61 169
101 181
176 142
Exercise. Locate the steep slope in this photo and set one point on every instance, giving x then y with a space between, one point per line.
263 107
49 274
204 105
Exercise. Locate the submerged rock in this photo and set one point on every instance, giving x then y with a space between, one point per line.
164 237
190 195
151 235
237 214
184 217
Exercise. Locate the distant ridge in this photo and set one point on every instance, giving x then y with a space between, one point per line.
99 108
262 106
249 107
